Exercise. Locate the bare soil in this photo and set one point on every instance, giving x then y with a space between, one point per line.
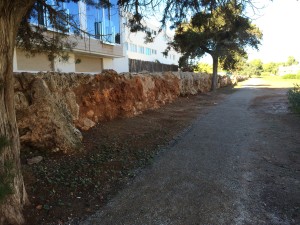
230 157
239 164
67 188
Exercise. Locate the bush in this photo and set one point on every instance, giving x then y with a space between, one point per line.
294 98
291 76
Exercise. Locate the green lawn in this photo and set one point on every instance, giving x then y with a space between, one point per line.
273 82
277 81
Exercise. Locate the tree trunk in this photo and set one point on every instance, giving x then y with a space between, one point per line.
11 205
214 84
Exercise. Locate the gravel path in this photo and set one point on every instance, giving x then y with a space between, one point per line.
239 164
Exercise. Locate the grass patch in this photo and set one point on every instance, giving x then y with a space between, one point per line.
291 76
294 98
279 81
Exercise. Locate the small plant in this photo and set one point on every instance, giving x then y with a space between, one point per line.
294 98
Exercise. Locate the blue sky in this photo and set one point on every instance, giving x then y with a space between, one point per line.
279 20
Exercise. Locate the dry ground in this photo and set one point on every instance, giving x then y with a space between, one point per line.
66 187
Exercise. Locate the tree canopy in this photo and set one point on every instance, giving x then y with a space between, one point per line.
291 61
222 31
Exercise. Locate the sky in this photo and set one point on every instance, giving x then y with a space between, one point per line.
279 20
280 24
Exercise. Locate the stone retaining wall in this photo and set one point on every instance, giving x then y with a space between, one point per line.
52 108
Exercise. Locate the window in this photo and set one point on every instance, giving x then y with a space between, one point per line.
133 48
68 20
148 51
104 23
154 52
72 11
141 50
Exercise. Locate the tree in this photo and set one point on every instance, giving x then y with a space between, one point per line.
256 67
11 14
204 68
14 19
291 61
271 67
15 29
220 30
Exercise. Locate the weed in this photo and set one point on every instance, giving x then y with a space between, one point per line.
6 180
294 98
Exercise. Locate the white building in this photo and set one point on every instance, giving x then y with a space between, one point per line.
109 44
293 69
135 47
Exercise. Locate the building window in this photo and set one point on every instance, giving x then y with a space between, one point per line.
68 21
71 8
104 23
148 51
133 48
141 50
154 52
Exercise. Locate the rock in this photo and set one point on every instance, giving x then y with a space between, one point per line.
87 124
90 113
21 101
39 207
34 160
72 104
55 150
51 106
47 123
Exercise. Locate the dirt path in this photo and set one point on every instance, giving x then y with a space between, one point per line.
239 164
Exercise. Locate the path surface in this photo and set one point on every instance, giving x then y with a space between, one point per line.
239 164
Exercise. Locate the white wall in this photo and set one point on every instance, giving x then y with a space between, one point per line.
88 64
108 64
37 63
66 67
121 65
159 45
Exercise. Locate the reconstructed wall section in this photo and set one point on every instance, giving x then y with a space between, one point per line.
52 108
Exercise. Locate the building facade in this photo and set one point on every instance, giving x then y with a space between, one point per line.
104 42
293 69
135 47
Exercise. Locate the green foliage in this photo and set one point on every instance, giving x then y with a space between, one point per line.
291 76
256 66
294 98
291 61
204 68
252 68
6 173
271 68
221 31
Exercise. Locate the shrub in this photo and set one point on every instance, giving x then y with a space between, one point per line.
294 98
291 76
